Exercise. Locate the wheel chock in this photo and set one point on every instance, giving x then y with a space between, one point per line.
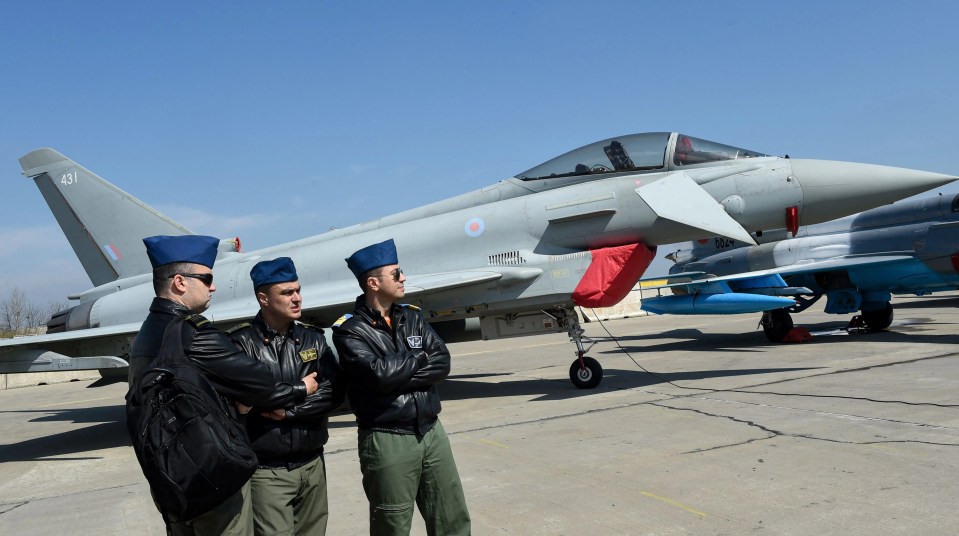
798 335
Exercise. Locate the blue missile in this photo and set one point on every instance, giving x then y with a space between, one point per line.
716 304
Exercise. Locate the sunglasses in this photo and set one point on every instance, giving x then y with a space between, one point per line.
395 274
206 279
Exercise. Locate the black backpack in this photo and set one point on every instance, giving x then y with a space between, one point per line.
193 452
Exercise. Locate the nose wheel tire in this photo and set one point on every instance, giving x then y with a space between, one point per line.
776 324
587 376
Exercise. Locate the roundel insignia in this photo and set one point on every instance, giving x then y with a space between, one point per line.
474 227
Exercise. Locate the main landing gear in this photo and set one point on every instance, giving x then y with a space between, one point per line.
873 321
776 324
585 372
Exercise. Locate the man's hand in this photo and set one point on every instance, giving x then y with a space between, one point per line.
243 409
311 385
275 415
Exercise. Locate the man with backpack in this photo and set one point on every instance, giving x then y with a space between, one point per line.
288 488
183 283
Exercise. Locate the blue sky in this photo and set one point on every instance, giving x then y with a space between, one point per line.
275 121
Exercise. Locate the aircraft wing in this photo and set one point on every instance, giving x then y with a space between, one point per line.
836 263
330 300
699 278
748 292
55 352
431 283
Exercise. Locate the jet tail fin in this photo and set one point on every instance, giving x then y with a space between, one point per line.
104 225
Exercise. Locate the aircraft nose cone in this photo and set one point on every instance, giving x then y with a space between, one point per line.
835 189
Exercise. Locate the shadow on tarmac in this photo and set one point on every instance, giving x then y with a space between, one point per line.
926 302
831 332
458 388
109 433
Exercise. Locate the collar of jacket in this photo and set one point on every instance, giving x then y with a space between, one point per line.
265 332
374 317
168 306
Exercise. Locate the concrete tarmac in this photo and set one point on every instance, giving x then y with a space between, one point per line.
852 434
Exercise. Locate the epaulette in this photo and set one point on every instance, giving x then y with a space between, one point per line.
311 326
238 327
340 320
197 321
410 306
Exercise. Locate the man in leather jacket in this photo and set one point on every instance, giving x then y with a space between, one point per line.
183 282
288 490
393 361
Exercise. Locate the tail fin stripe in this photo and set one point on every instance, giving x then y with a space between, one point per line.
112 251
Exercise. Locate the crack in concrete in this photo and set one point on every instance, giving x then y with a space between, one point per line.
14 507
857 369
772 433
34 499
534 421
776 433
743 390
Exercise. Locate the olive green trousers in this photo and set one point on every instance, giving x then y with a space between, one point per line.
290 502
401 470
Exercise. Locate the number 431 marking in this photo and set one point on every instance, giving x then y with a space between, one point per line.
69 178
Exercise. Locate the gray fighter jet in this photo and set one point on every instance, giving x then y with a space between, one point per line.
579 229
857 263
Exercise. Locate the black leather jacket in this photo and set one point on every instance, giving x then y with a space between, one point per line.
300 437
392 371
235 375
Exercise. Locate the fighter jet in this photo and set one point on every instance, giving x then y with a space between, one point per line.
518 255
857 263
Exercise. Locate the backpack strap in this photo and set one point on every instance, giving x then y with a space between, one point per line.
177 337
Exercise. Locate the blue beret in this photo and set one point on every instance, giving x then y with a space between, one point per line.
186 248
364 260
279 270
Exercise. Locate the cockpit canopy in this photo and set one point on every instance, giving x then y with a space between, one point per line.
634 153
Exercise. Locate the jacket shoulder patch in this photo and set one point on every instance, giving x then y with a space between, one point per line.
410 306
197 321
311 326
340 320
238 327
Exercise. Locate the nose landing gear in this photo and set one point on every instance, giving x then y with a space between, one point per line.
585 372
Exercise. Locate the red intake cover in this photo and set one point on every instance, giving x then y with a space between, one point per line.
611 274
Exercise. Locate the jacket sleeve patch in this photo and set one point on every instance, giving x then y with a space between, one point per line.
309 355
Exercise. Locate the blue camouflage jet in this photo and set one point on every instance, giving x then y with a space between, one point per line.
857 263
